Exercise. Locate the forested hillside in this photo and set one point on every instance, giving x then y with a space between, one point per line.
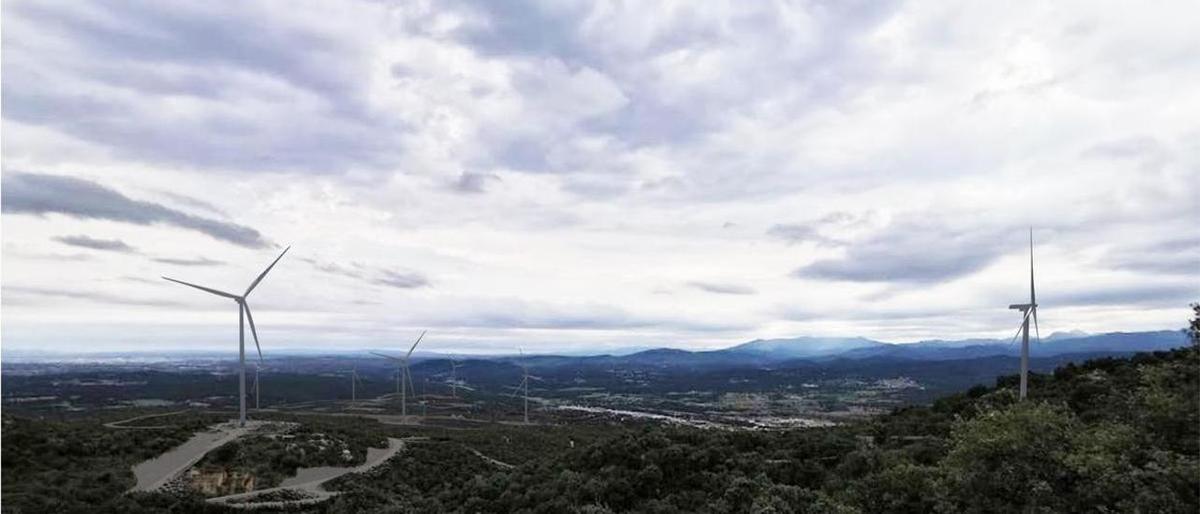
1105 435
1108 435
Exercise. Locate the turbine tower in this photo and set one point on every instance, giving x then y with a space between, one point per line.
405 378
454 377
243 315
256 386
1029 310
353 385
523 387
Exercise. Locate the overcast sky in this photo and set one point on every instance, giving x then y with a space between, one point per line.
593 175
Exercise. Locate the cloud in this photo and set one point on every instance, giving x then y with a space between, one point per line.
198 261
354 270
815 231
193 86
401 280
473 182
1175 256
108 245
38 194
722 288
625 135
194 203
22 292
372 275
519 313
1149 152
795 233
913 250
1147 294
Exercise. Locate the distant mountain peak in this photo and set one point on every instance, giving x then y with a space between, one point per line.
1067 334
806 346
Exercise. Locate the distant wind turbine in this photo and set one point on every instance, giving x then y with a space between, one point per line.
256 385
523 387
243 315
354 381
405 379
1030 310
454 377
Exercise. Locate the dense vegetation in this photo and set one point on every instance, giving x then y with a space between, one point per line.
1115 435
1106 435
78 465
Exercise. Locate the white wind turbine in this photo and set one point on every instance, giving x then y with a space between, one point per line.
243 314
523 387
405 377
1030 310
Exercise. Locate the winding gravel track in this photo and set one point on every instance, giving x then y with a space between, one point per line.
156 472
308 481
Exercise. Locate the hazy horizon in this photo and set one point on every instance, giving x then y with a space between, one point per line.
570 176
226 351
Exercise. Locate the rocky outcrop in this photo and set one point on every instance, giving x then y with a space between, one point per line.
220 482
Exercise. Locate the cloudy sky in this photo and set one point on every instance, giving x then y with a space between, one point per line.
593 175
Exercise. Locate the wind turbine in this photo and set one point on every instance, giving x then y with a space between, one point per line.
406 378
256 387
243 314
524 385
454 377
1030 310
354 381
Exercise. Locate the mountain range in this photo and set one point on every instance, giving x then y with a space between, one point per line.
769 352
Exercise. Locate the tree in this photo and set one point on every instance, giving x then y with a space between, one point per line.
1009 460
1193 330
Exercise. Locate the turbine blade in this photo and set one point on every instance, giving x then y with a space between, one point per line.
1014 338
264 273
202 288
1036 330
411 386
253 331
386 356
414 346
516 389
1032 296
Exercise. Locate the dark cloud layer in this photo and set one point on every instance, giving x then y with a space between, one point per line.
1170 257
913 251
303 83
1151 294
108 245
38 194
